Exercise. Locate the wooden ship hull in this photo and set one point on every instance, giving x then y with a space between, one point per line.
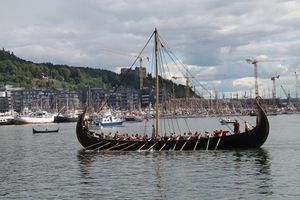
254 138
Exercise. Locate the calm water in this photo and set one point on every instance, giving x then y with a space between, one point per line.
53 166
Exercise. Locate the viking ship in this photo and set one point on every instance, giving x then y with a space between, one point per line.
254 138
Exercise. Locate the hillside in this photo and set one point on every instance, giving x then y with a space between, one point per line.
21 73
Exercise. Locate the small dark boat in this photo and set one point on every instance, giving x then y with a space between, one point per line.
45 131
251 139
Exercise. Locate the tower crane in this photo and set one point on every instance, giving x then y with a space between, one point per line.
140 57
273 78
187 82
254 62
288 95
297 86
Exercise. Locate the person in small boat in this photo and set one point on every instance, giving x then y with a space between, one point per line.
247 127
236 126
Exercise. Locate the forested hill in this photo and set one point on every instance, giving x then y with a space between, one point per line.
21 73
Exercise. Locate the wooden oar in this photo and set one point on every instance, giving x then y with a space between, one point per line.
115 146
143 146
208 141
218 142
176 143
152 145
86 148
103 146
164 144
185 143
129 146
197 142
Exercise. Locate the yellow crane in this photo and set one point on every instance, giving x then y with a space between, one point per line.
141 58
297 85
273 79
254 62
187 88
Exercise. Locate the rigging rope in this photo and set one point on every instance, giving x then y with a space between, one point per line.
125 75
170 53
187 125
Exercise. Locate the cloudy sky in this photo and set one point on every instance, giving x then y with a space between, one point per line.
212 37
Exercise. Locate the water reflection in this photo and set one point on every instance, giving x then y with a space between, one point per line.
163 174
85 159
158 178
255 165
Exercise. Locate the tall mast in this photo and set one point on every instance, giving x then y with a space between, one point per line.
156 85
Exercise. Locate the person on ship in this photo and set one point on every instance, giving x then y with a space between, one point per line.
247 127
153 132
236 126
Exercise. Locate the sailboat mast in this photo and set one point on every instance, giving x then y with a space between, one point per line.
156 86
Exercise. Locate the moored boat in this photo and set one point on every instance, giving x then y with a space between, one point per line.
107 121
6 119
134 118
39 117
66 117
226 120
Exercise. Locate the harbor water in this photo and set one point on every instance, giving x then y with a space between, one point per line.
55 166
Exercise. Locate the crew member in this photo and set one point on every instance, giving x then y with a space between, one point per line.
247 126
236 126
153 132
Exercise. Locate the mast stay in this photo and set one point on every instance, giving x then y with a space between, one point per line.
157 134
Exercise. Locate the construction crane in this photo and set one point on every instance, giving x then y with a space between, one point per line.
273 79
254 62
297 86
288 95
141 58
187 82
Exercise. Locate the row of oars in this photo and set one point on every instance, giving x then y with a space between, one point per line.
151 147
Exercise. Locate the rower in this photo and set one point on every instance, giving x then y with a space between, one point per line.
247 127
153 132
236 126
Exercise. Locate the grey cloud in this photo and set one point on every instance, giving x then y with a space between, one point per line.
206 33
